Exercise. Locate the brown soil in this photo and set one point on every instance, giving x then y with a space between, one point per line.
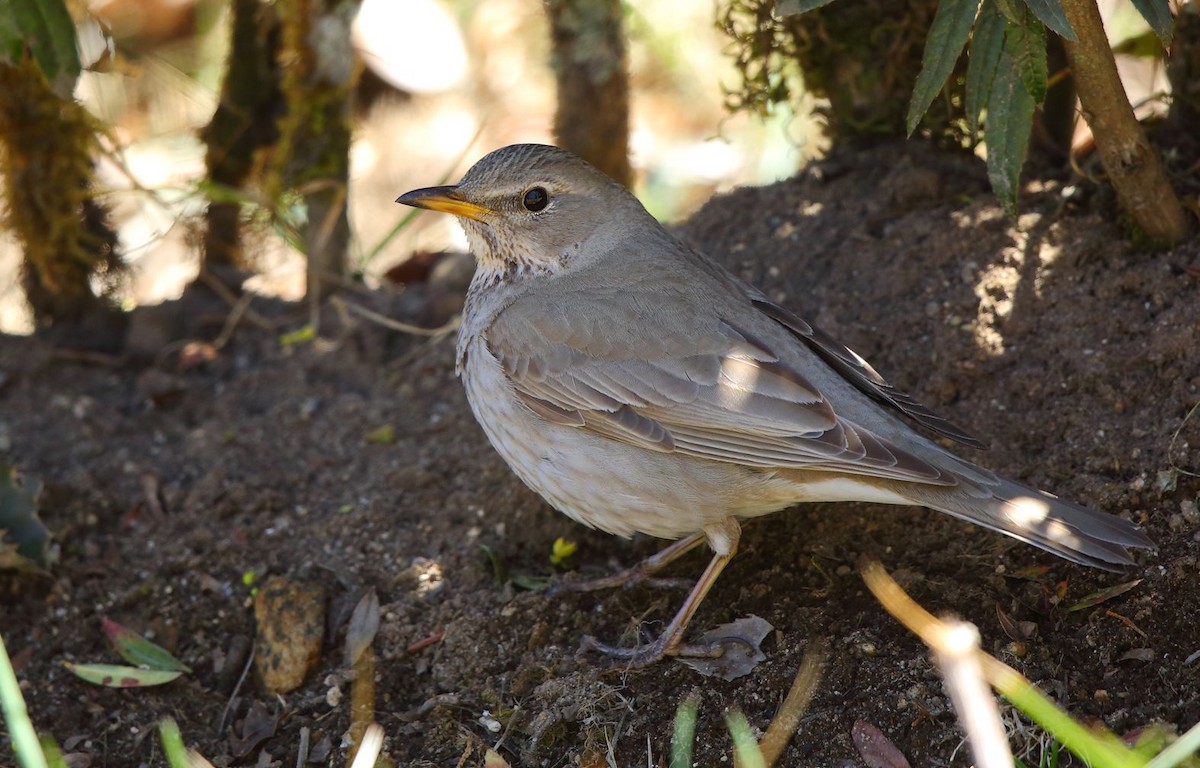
1075 357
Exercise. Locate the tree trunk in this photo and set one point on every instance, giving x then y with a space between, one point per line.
592 119
1132 164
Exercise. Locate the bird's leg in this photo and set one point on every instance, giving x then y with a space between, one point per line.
636 574
724 540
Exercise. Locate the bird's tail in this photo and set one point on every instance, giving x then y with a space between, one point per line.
1069 530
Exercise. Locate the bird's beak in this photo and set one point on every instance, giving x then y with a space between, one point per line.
444 200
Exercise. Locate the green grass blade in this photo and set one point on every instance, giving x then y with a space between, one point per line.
20 728
172 744
1099 750
744 745
684 735
1179 751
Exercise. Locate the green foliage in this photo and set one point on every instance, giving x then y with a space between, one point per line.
1009 120
1006 70
155 665
987 43
947 36
1025 43
45 29
24 540
1157 14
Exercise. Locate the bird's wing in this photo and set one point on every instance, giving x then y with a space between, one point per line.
714 391
859 372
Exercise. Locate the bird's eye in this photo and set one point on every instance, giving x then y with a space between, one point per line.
535 199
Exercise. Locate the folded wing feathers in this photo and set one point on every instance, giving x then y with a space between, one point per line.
859 372
726 408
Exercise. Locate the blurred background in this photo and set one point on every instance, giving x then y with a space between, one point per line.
444 83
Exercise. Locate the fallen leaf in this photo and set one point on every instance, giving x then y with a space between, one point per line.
247 734
1096 598
1137 654
740 642
139 651
364 624
121 676
876 750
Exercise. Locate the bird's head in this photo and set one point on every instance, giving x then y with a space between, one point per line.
532 207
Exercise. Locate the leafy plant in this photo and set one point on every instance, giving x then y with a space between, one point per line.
1006 79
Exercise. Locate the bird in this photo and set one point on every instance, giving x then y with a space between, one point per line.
640 387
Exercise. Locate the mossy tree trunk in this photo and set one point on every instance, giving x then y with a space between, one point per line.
319 72
592 118
244 123
47 146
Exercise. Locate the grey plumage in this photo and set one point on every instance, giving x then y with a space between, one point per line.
640 387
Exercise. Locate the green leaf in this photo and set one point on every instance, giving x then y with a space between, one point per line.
118 676
797 7
947 35
1157 14
138 650
1096 598
45 28
987 43
1026 44
1009 120
27 538
1051 14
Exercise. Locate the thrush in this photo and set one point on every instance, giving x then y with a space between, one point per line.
639 387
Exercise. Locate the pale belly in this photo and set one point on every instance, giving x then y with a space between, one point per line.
623 489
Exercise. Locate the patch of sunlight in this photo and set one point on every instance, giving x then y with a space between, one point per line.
1028 512
995 290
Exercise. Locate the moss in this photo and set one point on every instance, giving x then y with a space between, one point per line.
319 72
862 57
47 146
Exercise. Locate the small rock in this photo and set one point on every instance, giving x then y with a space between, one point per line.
291 626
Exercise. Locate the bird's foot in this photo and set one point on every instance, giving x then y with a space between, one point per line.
645 655
642 573
628 578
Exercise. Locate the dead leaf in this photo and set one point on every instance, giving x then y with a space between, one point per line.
876 750
739 641
246 735
1137 654
364 624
